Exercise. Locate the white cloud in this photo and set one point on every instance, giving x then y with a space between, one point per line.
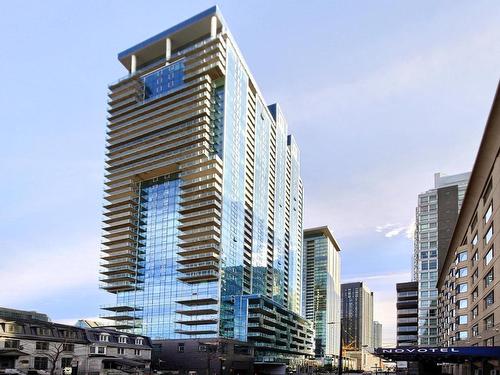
48 271
393 230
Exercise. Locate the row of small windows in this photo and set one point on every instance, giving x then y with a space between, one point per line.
104 337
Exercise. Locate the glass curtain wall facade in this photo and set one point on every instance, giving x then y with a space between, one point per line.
321 289
203 191
357 316
436 215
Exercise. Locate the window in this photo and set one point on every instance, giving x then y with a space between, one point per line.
462 303
489 300
475 258
475 312
461 335
42 331
489 342
474 240
12 344
139 341
122 339
180 347
68 334
104 337
488 213
475 330
66 362
473 222
487 191
488 257
14 328
461 272
462 288
98 350
121 350
163 80
462 256
68 347
41 363
462 319
488 235
41 345
488 279
475 294
489 321
475 276
137 352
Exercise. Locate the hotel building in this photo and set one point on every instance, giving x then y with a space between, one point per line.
436 215
469 281
204 200
321 289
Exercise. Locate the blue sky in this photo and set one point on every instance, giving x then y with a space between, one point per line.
379 95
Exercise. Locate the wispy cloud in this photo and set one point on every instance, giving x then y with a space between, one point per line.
392 230
391 276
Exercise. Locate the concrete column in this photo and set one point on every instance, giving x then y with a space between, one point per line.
133 64
213 27
168 49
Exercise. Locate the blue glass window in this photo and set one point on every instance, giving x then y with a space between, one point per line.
163 80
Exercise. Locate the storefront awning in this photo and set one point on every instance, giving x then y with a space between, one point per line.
123 362
11 353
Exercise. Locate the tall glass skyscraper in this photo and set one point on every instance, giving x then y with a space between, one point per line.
204 200
321 289
436 215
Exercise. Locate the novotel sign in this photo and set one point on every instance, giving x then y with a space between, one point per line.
418 350
465 351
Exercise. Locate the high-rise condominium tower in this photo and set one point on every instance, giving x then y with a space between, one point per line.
357 316
321 289
436 215
203 191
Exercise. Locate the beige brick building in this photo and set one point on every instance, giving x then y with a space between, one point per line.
468 284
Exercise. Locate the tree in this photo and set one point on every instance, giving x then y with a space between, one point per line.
54 353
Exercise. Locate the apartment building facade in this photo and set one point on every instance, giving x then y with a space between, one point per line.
357 316
407 314
204 199
469 282
436 215
31 345
321 289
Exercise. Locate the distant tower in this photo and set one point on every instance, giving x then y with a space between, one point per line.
321 289
357 315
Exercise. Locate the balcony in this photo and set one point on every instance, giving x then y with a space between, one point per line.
120 286
199 276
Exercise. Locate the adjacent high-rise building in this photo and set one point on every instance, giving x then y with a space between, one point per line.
407 314
357 316
436 215
469 281
377 335
321 289
204 200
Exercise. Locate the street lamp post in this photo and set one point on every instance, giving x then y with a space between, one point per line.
340 362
